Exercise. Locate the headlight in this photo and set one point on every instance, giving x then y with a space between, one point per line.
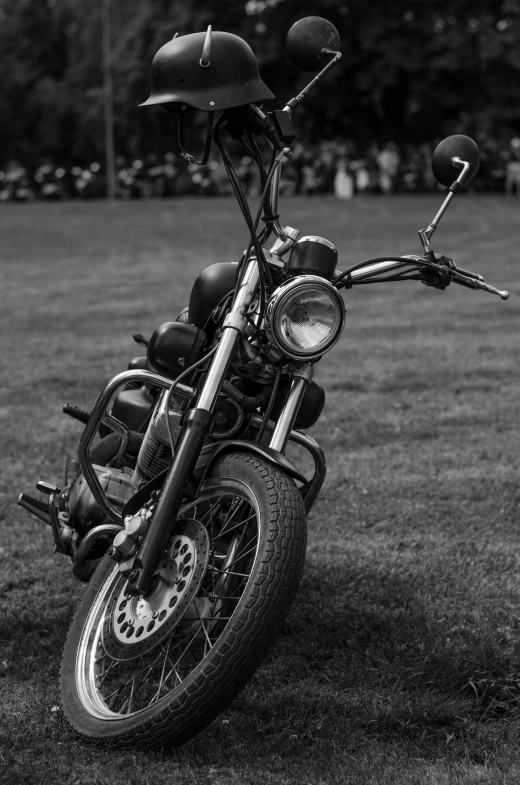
305 317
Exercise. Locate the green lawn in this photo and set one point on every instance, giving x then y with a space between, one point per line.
400 661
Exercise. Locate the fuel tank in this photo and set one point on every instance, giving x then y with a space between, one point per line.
210 288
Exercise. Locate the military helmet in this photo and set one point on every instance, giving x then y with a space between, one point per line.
208 71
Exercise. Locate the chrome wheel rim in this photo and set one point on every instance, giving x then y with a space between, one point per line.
112 687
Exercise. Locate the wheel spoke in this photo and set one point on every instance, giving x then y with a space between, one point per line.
228 531
201 518
102 676
174 670
230 572
241 556
239 506
133 675
158 692
125 686
205 630
193 638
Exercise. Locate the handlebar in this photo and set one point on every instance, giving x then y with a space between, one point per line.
369 270
434 271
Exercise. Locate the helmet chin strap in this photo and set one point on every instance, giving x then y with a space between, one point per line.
207 142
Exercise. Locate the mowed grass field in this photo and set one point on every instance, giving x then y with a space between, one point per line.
400 660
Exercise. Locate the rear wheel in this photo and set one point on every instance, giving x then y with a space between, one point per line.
154 671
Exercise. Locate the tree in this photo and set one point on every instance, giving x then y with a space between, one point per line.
411 70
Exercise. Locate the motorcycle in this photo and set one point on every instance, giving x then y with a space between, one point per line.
183 514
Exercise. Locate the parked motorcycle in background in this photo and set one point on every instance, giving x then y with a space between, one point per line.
183 513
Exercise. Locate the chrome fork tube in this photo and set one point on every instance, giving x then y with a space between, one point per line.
302 378
234 326
197 422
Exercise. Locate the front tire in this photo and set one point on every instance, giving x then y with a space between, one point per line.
256 525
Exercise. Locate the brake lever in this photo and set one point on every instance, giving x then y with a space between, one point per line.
468 278
440 275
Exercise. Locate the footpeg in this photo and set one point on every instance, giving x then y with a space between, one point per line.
141 339
77 413
36 507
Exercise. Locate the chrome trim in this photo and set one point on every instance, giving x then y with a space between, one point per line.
378 267
293 103
314 238
285 242
425 234
120 428
385 265
276 301
287 416
230 336
235 320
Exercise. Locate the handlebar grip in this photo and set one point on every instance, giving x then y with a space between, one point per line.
502 293
474 283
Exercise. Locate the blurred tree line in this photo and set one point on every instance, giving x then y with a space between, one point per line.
412 70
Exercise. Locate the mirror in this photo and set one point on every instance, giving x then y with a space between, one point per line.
457 146
306 40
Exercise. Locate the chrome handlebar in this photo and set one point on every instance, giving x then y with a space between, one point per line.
458 275
286 236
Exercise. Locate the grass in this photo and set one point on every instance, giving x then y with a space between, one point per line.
400 661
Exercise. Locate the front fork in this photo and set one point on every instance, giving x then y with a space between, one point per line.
196 426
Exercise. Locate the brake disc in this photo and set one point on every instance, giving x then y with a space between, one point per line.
135 625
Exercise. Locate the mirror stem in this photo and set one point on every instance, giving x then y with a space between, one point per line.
293 103
425 234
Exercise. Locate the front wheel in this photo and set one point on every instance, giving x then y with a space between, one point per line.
154 671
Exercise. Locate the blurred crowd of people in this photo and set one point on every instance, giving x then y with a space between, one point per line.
328 167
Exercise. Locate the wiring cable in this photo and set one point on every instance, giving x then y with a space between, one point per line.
174 385
244 206
367 262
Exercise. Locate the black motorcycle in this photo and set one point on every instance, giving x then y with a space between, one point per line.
183 513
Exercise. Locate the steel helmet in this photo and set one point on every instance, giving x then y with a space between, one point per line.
208 71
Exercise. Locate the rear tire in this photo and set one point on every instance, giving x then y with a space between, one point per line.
251 578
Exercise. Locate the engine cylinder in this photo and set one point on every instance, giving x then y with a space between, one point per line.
155 454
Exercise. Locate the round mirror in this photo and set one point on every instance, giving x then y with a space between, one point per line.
457 146
306 41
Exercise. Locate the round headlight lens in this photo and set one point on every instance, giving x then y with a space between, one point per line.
305 317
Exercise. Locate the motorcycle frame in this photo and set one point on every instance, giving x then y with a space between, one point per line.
310 489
